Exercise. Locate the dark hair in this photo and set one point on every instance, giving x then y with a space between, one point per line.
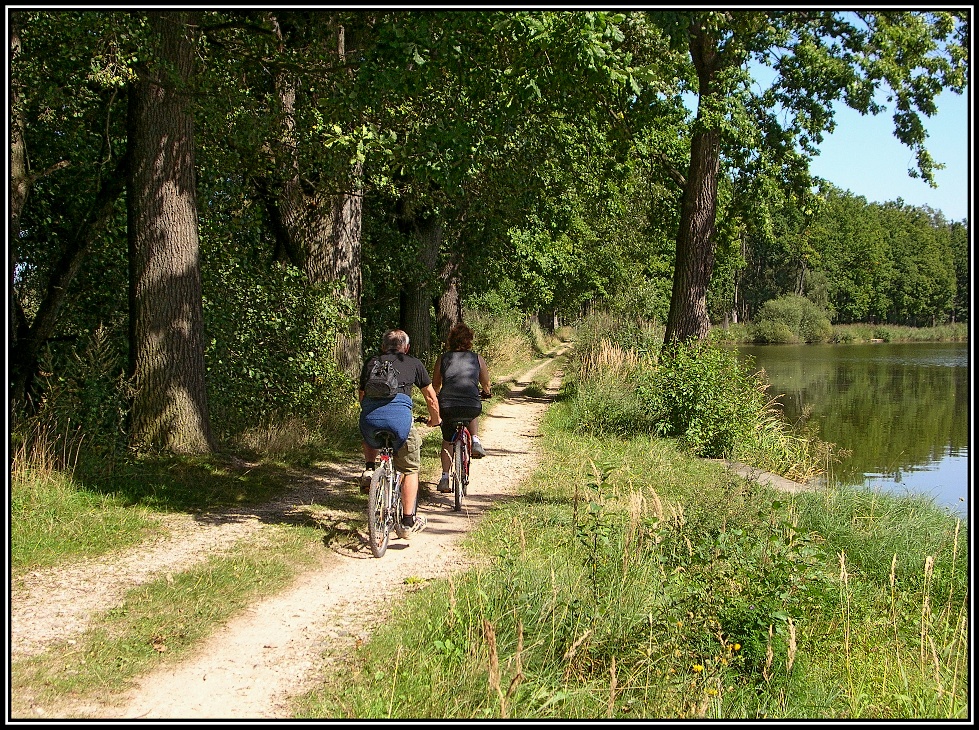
460 337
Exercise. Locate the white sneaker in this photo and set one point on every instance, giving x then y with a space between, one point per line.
444 484
478 451
365 480
421 522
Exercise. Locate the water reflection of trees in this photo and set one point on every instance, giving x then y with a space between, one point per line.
892 414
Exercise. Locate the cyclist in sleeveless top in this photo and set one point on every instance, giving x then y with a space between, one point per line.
459 376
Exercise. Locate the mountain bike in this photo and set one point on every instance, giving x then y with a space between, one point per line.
384 508
462 445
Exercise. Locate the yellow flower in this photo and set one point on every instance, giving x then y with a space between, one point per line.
698 667
712 692
737 646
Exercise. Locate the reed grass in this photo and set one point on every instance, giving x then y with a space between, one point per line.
742 333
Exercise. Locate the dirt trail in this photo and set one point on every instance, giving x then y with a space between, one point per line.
277 648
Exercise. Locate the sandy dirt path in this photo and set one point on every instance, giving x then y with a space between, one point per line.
279 647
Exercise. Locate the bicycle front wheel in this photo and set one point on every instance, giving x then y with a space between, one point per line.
378 510
457 474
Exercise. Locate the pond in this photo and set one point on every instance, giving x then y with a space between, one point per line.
902 410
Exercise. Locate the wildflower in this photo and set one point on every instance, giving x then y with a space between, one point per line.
737 646
712 692
698 667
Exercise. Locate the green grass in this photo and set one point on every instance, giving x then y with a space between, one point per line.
52 520
57 516
953 332
630 580
158 623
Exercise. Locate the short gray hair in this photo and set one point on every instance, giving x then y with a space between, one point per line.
395 341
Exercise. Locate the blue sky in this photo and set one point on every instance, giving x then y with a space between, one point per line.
864 157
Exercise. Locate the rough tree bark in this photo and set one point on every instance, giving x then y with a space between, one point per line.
416 296
19 189
319 230
166 319
448 310
688 318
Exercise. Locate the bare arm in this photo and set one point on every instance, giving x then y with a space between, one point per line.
484 378
437 375
431 400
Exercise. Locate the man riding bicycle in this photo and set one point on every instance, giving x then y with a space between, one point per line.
395 414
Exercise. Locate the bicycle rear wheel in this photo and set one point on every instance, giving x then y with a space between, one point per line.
398 507
378 524
458 486
466 461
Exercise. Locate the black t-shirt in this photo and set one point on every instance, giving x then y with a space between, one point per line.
411 371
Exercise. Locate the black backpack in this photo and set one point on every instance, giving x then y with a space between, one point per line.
382 381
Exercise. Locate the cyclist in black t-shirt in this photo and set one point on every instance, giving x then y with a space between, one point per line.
395 414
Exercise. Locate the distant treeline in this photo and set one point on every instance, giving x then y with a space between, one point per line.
859 261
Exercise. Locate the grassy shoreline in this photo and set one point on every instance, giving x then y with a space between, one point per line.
744 334
632 580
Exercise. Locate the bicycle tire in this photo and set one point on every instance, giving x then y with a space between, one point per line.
399 509
466 462
457 483
378 524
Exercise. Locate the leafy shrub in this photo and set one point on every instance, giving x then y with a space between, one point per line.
802 320
699 394
703 396
270 353
774 333
733 333
503 340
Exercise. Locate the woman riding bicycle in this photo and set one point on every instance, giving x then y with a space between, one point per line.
395 414
460 377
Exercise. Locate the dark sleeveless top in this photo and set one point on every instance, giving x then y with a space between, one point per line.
460 380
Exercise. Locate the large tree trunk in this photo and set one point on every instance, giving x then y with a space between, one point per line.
166 321
318 230
448 311
417 297
323 232
19 189
688 318
695 246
